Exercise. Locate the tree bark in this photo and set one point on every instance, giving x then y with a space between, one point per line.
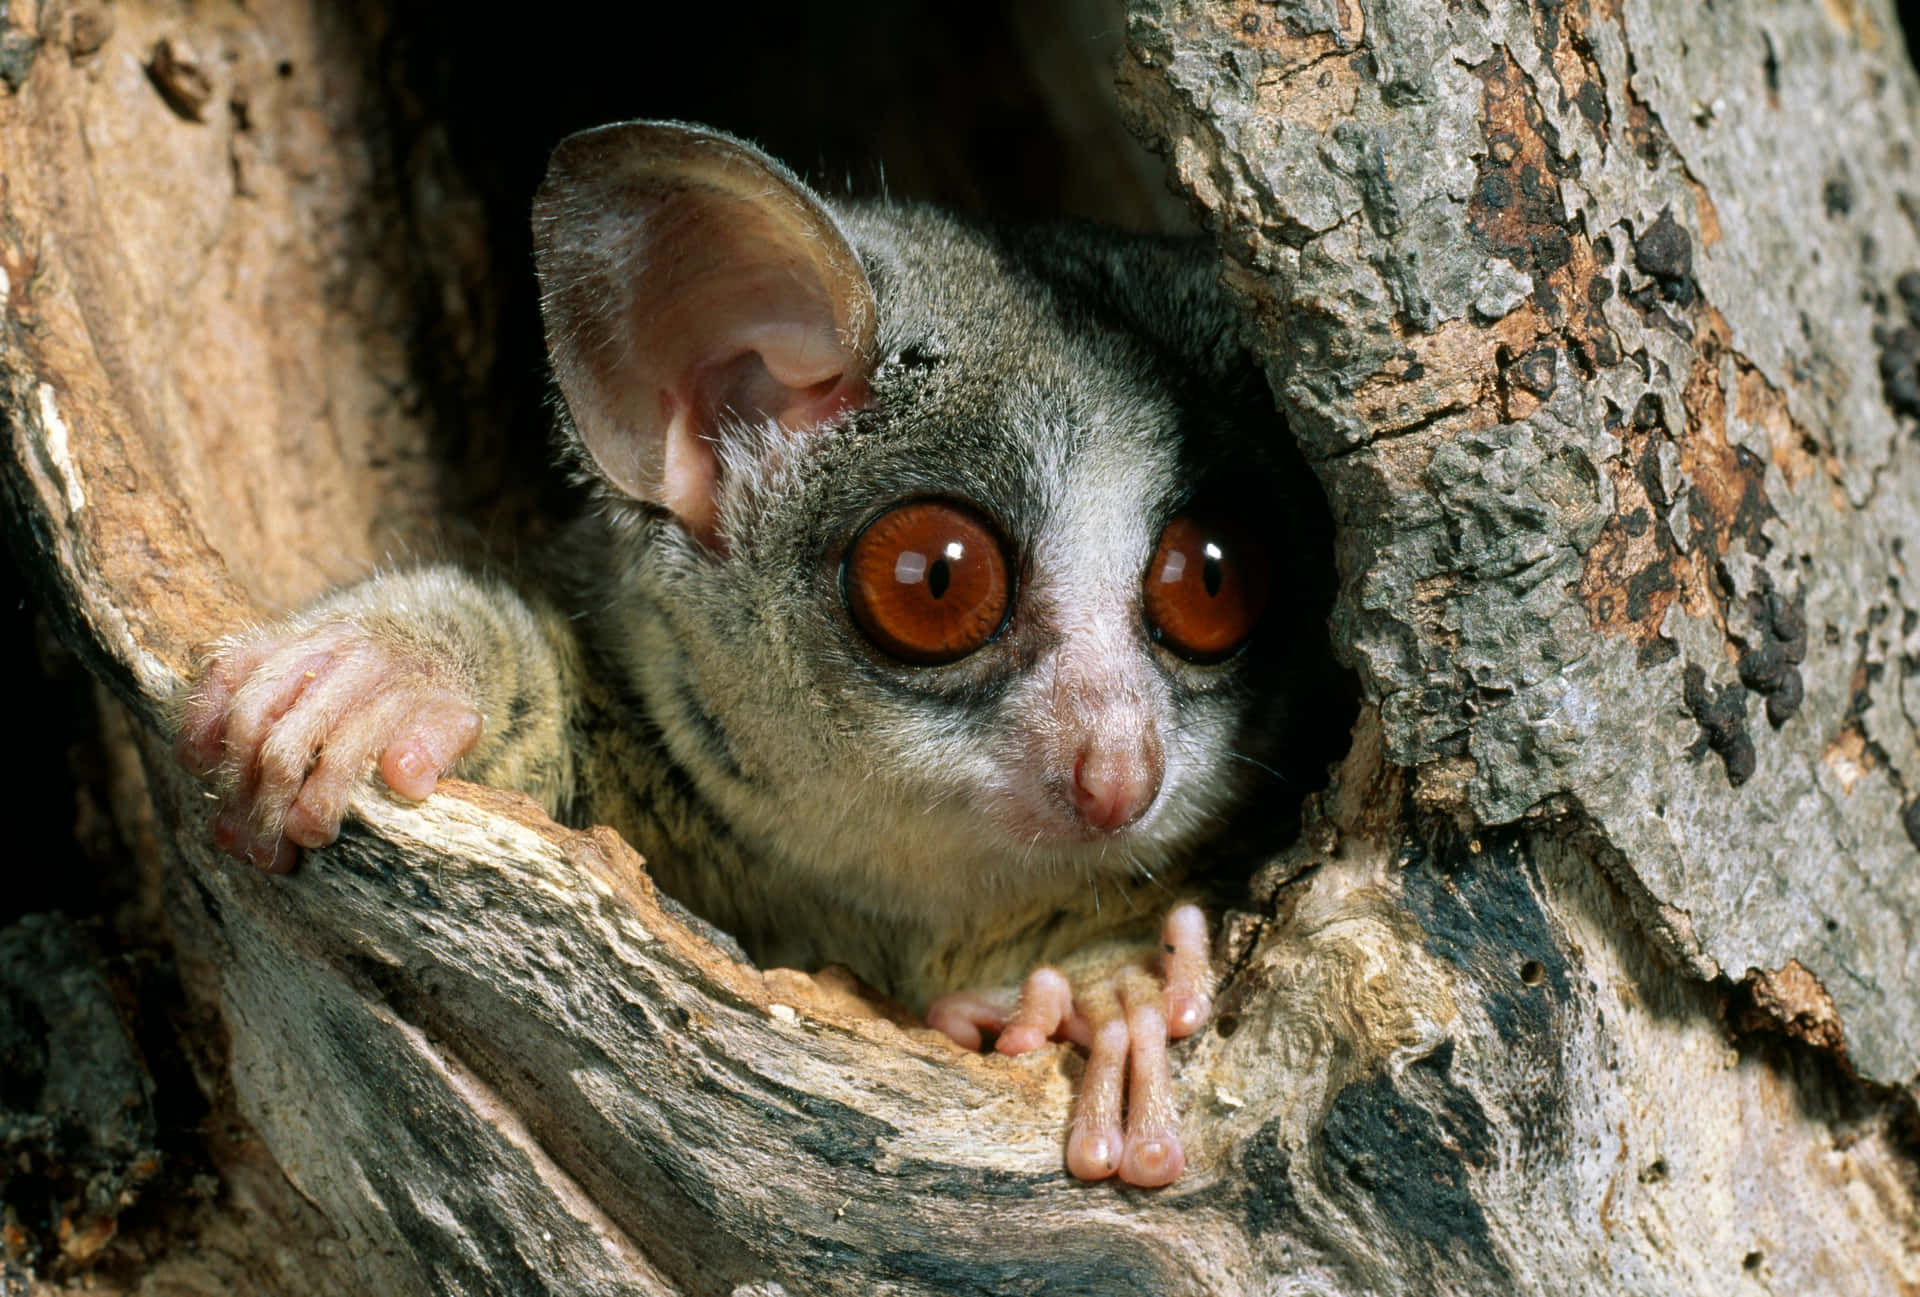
1595 968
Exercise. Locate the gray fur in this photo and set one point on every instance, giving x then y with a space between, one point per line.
789 781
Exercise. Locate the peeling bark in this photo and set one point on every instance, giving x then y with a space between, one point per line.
1594 968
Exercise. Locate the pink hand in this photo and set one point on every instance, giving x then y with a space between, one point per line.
285 726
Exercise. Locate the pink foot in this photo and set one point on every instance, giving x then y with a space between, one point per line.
1125 1121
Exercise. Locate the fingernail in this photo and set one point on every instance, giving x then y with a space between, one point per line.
305 829
1191 1013
1093 1157
226 830
1018 1040
285 856
1154 1161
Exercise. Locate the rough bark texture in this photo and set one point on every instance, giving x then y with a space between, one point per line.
1595 969
1590 318
1582 301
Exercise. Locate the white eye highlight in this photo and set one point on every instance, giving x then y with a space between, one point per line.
1176 565
909 567
955 551
1213 552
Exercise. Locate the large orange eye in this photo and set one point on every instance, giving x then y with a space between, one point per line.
926 581
1206 587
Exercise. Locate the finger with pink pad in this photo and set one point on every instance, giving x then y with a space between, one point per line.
235 834
230 831
201 744
416 737
337 724
441 730
1187 966
254 720
965 1017
278 856
1153 1154
313 815
1046 1000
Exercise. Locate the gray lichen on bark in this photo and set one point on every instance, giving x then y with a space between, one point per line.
1574 307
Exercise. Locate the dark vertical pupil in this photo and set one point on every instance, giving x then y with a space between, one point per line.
1210 576
938 578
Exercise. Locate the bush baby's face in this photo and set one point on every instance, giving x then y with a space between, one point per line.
995 620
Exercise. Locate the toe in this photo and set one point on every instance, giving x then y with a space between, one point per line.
1153 1155
284 856
1095 1142
1153 1161
1187 966
1045 1001
311 822
965 1017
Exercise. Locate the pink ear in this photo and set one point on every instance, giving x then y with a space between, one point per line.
686 276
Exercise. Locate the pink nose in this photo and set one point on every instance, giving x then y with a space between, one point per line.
1112 791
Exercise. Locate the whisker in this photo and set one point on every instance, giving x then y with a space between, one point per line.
1256 764
1214 814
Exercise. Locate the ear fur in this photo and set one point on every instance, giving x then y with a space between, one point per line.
685 278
